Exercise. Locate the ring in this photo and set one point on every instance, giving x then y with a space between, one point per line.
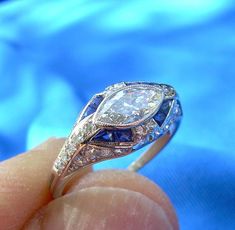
120 120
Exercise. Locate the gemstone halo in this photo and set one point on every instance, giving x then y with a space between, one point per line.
129 106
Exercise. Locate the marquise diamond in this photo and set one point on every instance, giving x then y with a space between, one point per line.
129 105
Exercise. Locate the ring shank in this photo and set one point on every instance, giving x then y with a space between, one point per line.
150 153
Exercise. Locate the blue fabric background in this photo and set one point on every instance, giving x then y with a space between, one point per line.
54 55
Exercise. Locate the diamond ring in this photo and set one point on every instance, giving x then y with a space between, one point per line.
123 118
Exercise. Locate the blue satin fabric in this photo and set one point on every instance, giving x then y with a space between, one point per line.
56 55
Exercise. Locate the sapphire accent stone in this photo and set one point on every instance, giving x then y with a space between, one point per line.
160 118
93 106
163 112
140 82
104 135
124 135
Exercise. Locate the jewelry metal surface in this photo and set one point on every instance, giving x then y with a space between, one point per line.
114 123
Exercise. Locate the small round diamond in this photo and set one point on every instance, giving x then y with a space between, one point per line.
168 91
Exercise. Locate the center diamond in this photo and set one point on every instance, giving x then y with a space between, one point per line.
129 106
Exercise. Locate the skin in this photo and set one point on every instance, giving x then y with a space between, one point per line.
101 200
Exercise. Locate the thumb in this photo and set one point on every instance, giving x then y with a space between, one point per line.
108 200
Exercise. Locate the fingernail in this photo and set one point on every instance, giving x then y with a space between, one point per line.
102 208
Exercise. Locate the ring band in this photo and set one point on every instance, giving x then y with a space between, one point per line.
114 123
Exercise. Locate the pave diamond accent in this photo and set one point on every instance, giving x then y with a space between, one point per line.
82 131
92 153
146 133
175 114
64 156
168 91
129 106
115 87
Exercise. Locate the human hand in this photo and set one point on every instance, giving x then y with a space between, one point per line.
95 200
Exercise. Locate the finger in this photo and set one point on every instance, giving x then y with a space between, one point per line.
108 200
24 183
127 180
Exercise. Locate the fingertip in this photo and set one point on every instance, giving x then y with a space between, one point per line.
102 208
127 180
109 200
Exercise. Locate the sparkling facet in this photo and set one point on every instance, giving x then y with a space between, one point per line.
90 154
115 87
129 105
168 91
83 130
104 135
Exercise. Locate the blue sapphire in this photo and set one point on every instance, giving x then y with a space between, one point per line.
104 135
180 107
93 106
124 135
161 115
140 82
160 118
165 107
